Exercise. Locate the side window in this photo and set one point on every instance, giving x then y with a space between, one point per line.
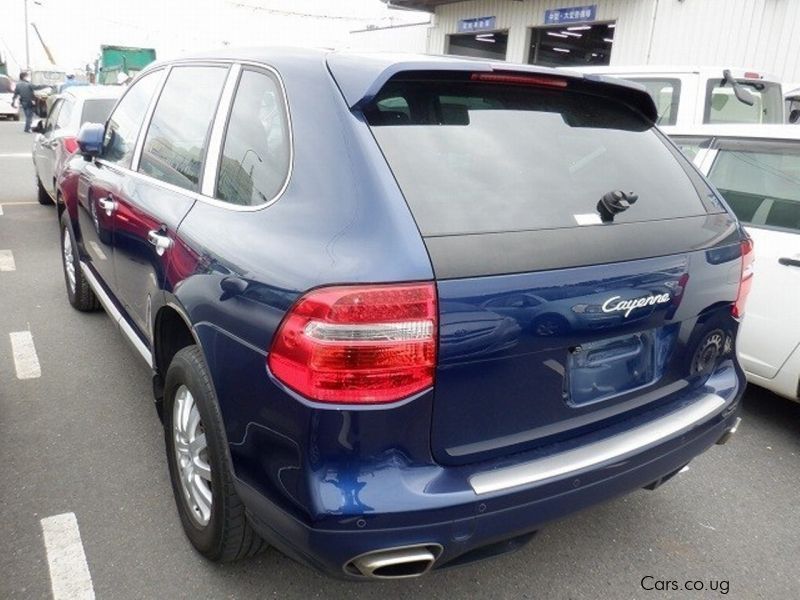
52 116
666 94
125 122
760 183
176 140
64 114
255 158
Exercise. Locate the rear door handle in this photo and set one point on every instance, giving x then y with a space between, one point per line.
107 204
160 240
789 262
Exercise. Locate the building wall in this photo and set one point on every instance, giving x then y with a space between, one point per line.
634 22
759 34
404 38
762 34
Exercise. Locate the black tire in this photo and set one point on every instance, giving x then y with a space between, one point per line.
227 535
42 196
81 297
16 117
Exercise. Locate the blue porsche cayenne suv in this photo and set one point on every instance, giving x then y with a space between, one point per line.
401 311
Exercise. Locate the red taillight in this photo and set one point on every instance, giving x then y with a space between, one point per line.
71 145
534 80
746 279
358 344
752 75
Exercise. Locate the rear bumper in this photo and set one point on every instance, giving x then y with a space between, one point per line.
465 521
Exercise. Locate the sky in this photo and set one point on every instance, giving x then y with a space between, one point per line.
74 30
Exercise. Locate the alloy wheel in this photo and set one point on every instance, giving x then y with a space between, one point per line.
191 454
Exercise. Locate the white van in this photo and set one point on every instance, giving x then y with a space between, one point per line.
687 96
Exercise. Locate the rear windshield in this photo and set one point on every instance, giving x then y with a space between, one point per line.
97 111
476 157
722 106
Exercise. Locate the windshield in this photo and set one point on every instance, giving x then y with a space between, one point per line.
476 158
722 106
47 77
6 87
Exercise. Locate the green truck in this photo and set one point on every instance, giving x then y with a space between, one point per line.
122 60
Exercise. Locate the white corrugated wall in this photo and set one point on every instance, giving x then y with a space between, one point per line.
404 38
762 34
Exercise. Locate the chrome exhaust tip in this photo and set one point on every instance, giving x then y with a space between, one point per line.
395 563
729 434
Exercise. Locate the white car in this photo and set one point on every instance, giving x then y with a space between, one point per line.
687 96
7 111
757 171
57 135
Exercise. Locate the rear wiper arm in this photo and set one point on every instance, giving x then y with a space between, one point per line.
615 202
742 94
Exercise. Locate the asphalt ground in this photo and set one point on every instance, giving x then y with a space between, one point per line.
83 438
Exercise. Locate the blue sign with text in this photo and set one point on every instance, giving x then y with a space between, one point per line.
575 14
478 24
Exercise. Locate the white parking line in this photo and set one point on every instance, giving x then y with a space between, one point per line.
7 261
69 572
26 363
16 155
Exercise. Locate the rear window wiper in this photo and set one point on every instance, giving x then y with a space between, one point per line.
615 202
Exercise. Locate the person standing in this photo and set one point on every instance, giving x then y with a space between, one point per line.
24 91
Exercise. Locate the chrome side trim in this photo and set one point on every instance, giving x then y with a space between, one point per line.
116 316
612 449
214 151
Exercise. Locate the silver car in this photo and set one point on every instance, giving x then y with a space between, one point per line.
57 137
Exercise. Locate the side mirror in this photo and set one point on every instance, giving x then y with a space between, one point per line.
39 127
90 139
794 116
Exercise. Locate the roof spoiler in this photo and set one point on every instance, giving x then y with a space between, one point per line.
361 77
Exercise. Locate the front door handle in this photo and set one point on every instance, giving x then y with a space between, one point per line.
160 240
108 205
789 262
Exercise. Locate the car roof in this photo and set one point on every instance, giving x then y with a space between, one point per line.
361 75
754 131
100 92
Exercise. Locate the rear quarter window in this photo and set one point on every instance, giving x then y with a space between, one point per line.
476 157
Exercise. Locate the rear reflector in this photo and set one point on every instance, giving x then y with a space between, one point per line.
532 80
358 344
746 279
